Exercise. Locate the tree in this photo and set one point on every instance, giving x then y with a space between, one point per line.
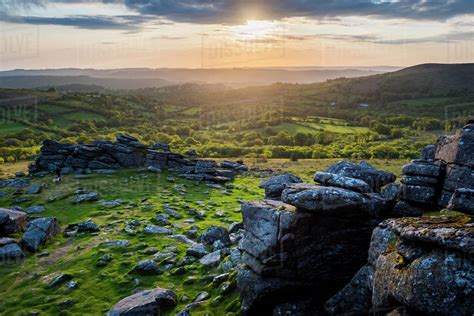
283 138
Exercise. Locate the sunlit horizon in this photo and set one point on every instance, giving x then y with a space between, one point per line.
93 34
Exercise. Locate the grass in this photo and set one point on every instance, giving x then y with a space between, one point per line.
83 116
292 128
9 127
192 111
8 169
61 122
440 107
53 108
305 168
144 196
308 126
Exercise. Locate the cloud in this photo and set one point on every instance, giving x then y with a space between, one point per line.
233 11
237 11
443 38
368 38
171 38
79 21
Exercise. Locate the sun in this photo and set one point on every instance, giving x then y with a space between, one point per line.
253 30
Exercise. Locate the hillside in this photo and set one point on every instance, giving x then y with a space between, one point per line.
136 78
433 79
35 81
324 120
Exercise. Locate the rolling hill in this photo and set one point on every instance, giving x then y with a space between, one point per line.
436 79
137 78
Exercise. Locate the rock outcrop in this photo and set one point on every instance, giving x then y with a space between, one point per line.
35 233
275 185
376 179
10 250
39 231
429 183
423 264
306 246
11 221
128 152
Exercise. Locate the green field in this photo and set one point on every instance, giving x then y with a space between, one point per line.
83 116
192 111
53 108
9 127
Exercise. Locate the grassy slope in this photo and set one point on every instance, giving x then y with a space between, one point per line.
24 285
101 287
9 127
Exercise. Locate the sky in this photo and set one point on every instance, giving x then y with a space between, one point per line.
107 34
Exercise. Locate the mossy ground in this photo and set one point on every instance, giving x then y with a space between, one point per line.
99 288
144 195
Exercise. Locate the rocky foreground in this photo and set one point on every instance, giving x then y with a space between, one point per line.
329 248
353 243
128 152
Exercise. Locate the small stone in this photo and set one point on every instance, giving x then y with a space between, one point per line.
86 226
147 267
211 259
214 233
162 220
86 197
153 169
35 189
65 303
220 278
104 260
116 243
218 245
111 204
60 278
153 229
197 250
71 285
226 287
149 302
35 209
201 296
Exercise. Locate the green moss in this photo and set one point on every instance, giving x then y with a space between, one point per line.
101 286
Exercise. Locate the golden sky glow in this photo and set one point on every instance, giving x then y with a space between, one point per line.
359 40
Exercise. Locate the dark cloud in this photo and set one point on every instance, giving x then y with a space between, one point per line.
237 11
129 23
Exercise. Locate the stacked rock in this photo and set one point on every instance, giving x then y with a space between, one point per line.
421 265
457 153
13 222
303 248
443 177
420 185
128 152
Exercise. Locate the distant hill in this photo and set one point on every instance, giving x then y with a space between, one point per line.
40 81
425 79
80 88
134 78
